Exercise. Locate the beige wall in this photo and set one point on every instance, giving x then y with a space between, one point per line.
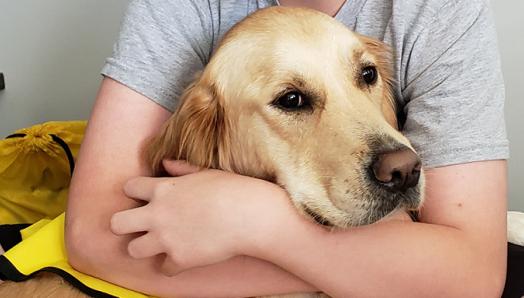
51 53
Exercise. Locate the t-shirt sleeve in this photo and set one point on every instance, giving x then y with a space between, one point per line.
162 44
454 88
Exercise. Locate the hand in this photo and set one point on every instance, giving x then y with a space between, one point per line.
201 218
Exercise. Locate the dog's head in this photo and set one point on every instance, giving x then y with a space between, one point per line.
293 96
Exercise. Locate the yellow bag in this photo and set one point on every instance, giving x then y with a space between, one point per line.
35 170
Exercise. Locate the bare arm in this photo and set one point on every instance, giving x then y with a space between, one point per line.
459 249
122 120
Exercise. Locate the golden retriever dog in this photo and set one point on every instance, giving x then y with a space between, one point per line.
294 97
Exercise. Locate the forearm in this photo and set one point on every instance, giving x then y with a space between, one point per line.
94 249
393 259
238 277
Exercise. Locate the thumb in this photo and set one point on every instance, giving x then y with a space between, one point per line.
179 167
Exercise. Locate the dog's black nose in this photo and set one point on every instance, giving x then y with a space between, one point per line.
397 170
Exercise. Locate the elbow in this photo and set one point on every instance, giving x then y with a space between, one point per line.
82 253
493 285
77 254
472 273
493 278
484 269
484 281
474 285
498 286
490 286
79 259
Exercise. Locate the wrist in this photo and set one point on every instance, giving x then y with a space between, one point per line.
268 210
274 221
295 233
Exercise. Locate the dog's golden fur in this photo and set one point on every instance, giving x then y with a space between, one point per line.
229 117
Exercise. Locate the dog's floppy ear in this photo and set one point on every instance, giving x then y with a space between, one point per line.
384 60
197 132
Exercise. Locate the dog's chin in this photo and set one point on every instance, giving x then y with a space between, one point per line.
319 219
385 203
378 206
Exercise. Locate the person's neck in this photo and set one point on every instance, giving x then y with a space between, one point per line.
330 7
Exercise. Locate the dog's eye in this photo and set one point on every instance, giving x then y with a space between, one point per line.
369 75
291 101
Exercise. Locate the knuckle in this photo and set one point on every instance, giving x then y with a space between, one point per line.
114 223
161 188
175 257
168 270
155 223
132 250
174 260
164 239
127 186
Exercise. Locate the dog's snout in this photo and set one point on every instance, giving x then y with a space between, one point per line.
397 170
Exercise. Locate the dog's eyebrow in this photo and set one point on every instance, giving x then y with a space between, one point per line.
359 63
305 85
314 92
297 81
359 59
357 55
294 80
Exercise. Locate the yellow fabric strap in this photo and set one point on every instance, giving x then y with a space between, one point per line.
43 247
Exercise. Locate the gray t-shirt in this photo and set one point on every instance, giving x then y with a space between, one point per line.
447 66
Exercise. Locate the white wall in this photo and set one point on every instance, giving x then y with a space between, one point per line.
510 28
51 53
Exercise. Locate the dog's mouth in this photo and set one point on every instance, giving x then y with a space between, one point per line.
318 218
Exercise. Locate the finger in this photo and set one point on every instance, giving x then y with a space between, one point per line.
144 246
130 221
141 188
179 167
